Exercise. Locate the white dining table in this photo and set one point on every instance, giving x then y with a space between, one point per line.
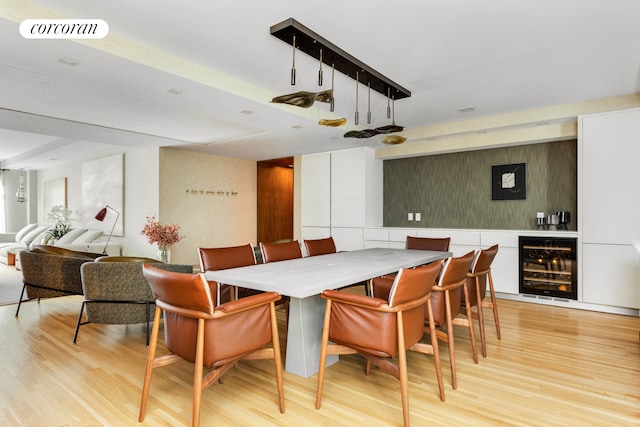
304 279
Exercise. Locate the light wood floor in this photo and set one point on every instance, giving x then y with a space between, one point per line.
553 367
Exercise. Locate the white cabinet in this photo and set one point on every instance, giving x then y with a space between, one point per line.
342 190
316 190
504 269
610 211
610 274
348 238
609 207
356 188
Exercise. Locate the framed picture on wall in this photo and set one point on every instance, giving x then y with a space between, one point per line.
509 182
102 185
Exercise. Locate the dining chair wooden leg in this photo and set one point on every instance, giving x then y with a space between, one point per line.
404 379
480 316
450 342
494 305
323 352
150 363
432 348
472 334
197 375
277 360
436 350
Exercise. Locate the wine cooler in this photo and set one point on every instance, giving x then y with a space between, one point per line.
548 266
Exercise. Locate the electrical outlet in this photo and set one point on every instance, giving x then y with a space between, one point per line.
410 216
418 216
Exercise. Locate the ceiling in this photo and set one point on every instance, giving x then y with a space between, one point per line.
200 75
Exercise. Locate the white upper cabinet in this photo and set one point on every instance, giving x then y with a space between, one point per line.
610 144
316 190
342 189
356 188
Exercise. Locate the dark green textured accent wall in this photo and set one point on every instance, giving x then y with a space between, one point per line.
454 190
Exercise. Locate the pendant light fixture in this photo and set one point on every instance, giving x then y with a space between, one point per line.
357 114
332 107
369 106
293 65
320 71
388 103
392 128
21 196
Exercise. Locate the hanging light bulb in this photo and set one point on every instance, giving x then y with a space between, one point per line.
333 105
293 65
320 71
393 110
357 114
21 193
369 106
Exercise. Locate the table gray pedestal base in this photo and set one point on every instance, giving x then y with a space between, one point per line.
304 337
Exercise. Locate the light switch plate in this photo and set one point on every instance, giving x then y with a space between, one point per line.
418 216
410 216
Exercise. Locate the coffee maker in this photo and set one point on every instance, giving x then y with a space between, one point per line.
564 218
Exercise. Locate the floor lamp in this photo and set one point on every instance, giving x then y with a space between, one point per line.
100 216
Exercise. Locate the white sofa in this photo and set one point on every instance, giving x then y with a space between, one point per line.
79 239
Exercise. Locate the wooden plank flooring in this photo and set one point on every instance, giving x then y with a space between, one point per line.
553 367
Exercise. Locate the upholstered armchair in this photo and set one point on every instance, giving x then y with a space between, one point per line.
49 272
116 292
379 329
209 336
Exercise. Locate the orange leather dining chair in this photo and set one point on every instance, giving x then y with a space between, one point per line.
428 243
211 337
273 252
320 246
326 246
381 286
380 329
213 259
447 297
477 278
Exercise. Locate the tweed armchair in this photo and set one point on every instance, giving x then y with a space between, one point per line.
117 293
49 272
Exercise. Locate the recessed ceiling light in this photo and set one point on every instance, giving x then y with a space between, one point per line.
69 61
173 91
247 112
467 109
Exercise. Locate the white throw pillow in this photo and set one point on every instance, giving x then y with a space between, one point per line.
42 238
20 234
28 238
70 236
88 237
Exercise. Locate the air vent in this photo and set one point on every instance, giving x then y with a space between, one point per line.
468 109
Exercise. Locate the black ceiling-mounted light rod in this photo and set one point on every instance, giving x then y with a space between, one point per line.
312 44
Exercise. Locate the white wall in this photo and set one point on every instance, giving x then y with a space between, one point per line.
140 196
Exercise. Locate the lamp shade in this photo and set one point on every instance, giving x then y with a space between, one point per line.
101 214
